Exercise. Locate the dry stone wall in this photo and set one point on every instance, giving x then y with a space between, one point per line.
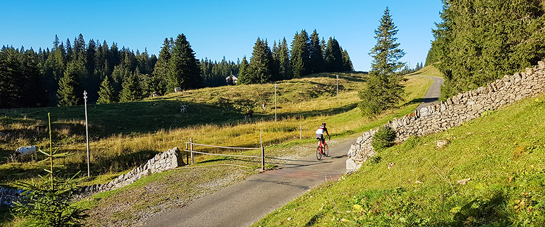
456 110
161 162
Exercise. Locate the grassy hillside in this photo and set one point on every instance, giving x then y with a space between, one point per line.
501 153
128 134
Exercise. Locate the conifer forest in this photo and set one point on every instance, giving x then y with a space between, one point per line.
108 72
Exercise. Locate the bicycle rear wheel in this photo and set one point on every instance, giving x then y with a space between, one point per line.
319 153
326 150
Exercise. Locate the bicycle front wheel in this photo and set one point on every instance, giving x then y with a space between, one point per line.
326 150
319 153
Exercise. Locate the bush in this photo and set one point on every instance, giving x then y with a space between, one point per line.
383 138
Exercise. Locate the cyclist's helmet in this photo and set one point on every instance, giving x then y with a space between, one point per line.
323 124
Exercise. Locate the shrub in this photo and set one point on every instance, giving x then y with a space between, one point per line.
383 138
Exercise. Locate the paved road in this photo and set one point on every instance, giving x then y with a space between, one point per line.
434 92
244 203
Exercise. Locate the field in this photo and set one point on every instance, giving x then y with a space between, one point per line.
126 135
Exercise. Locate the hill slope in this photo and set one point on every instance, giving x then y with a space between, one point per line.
415 183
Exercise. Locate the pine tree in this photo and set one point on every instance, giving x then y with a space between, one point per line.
260 63
284 62
481 41
383 89
159 81
70 92
243 76
333 56
106 92
184 70
132 91
316 56
347 63
300 54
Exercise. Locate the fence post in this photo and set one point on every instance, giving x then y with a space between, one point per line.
191 146
186 154
262 151
262 158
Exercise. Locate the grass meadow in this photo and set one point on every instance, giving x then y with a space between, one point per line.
125 135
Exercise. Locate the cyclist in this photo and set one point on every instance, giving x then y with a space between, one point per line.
320 134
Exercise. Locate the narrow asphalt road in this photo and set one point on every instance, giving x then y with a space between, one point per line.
433 94
244 203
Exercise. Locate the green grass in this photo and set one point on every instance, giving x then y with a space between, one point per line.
502 153
122 137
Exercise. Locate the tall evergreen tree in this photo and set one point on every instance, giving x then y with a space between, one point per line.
70 92
383 89
106 93
243 76
159 81
347 63
184 70
284 62
316 56
300 54
333 56
481 41
260 63
132 91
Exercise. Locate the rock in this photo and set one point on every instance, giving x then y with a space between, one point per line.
351 166
463 182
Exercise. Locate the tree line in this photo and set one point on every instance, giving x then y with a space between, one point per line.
58 76
480 41
307 55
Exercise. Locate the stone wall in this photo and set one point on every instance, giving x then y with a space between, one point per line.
161 162
456 110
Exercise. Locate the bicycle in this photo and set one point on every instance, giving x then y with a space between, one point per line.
322 150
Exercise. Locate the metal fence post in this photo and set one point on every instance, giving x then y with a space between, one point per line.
262 151
186 155
191 146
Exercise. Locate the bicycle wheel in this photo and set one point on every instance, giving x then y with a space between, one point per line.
326 150
319 153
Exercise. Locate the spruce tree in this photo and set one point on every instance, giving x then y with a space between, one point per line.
300 54
284 63
316 56
159 81
260 63
481 41
184 70
347 63
243 77
383 89
333 56
106 93
70 92
132 91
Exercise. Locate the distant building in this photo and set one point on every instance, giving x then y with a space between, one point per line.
232 79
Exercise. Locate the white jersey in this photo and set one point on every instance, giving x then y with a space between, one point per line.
320 131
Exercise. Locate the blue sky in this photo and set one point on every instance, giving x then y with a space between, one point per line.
217 29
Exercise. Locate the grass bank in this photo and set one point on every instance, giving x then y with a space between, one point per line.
500 156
